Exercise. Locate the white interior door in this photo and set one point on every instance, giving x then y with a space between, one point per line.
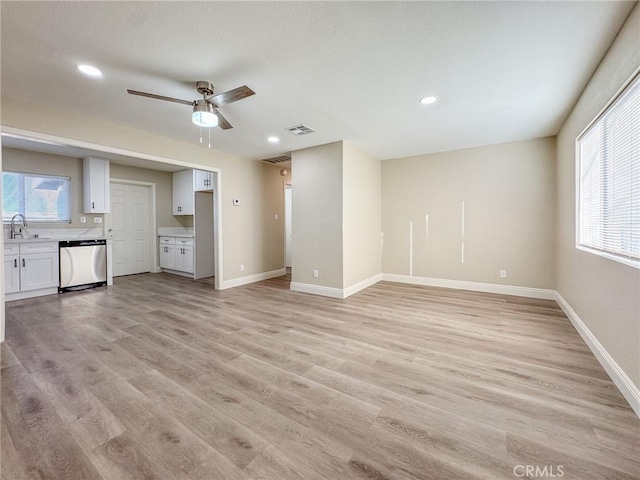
130 228
287 224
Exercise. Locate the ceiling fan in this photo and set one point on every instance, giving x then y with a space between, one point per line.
205 113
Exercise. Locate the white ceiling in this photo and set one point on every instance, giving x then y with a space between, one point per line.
503 71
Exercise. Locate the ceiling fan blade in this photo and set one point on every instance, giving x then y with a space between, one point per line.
161 97
231 96
223 123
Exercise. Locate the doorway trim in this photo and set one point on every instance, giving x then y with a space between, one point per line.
287 184
153 247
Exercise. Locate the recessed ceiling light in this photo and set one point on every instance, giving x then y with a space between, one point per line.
89 70
273 139
428 100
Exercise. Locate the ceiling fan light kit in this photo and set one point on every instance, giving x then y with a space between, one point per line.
203 115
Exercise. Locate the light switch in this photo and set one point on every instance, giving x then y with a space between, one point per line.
277 216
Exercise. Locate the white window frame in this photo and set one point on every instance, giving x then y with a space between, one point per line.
630 261
7 221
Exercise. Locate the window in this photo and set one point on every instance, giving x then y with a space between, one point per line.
609 180
40 198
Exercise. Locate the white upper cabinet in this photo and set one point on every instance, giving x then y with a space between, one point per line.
202 180
96 185
185 183
183 203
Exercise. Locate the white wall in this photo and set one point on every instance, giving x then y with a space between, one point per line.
361 215
317 215
605 294
509 214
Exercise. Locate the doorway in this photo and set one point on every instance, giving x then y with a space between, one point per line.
131 226
287 223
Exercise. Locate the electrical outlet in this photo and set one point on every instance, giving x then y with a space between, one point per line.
315 274
97 219
503 274
83 219
242 268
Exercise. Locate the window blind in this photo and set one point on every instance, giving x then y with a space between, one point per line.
609 178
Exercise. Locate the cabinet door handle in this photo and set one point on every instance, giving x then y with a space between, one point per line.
15 263
93 205
24 263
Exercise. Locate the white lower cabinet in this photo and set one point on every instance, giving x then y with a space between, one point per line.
11 274
184 259
39 270
176 254
31 269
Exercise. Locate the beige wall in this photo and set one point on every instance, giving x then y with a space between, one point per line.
605 294
509 209
240 176
361 215
317 215
34 162
164 187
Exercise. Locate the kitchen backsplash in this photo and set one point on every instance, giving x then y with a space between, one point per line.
30 232
175 231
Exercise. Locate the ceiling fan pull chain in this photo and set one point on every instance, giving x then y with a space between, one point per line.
209 138
200 134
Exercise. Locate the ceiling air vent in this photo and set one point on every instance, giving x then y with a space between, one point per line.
301 129
285 157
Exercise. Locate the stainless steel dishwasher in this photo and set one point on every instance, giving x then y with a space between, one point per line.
83 264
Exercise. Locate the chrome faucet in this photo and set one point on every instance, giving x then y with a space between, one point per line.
14 234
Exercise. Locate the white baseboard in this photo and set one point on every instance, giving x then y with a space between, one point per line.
630 392
237 282
333 292
317 290
473 286
356 287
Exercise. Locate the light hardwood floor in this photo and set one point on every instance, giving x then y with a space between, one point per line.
161 377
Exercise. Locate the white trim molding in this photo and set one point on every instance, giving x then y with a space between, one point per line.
333 292
366 283
473 286
630 392
237 282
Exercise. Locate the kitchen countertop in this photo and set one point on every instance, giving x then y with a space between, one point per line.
177 235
